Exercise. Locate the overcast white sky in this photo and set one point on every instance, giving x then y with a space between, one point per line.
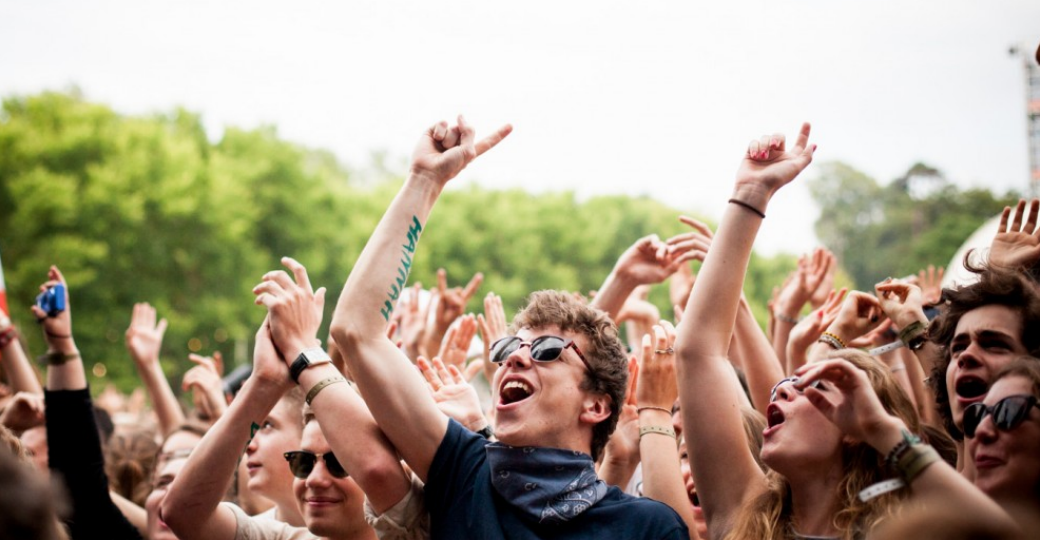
656 98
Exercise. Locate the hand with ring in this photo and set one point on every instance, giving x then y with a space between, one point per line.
657 386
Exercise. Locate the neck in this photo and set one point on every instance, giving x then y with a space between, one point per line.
365 533
288 513
814 501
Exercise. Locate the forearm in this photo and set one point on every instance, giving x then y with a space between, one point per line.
617 470
924 399
68 375
662 477
781 337
356 440
136 515
191 507
611 296
761 366
167 409
393 389
20 373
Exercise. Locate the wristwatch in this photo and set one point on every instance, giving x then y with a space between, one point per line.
309 357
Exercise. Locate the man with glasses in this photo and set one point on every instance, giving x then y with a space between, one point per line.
327 487
557 392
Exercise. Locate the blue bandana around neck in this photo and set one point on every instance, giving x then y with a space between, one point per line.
548 485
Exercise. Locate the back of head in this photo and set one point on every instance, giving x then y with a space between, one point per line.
129 461
603 350
995 287
29 507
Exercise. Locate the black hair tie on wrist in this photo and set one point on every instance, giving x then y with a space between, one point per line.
749 207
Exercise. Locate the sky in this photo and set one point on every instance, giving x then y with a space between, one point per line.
654 98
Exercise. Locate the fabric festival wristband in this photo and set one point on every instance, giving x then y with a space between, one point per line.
321 386
880 488
646 430
878 351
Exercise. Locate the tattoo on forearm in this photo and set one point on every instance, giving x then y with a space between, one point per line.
401 279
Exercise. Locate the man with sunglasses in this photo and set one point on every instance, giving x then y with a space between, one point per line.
331 501
557 392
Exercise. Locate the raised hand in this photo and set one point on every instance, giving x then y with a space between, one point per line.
769 165
456 342
657 385
454 396
24 411
1017 246
931 284
412 320
820 277
294 308
650 260
493 326
901 301
809 329
269 367
444 151
451 304
859 314
846 397
144 337
206 386
57 330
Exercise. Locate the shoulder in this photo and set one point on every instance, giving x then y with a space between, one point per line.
256 528
640 517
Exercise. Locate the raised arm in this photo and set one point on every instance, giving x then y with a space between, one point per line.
192 505
19 371
650 260
724 469
391 386
144 341
74 445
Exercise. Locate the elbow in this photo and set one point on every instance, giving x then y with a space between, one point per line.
174 514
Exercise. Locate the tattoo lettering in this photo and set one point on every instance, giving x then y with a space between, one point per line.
401 279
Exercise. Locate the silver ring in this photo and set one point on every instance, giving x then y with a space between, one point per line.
669 350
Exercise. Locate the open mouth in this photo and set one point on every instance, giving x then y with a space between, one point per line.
971 387
695 499
514 391
774 416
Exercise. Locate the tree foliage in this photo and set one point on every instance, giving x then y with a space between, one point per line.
140 209
897 229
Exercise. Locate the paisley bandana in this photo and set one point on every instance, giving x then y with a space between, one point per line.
548 485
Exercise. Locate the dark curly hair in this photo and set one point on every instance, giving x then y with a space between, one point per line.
603 350
996 286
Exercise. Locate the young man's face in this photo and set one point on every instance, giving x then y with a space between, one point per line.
542 403
331 506
280 432
157 528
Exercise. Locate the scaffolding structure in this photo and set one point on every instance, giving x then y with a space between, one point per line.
1031 65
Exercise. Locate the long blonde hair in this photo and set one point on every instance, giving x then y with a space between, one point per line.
768 515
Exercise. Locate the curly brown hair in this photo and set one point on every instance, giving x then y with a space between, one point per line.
995 287
603 350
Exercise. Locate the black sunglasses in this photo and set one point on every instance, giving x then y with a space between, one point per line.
543 349
1007 413
301 463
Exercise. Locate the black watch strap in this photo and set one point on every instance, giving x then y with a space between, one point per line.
306 359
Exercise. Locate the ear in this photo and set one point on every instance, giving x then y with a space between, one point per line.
595 408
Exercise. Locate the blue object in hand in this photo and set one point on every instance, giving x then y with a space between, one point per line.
52 301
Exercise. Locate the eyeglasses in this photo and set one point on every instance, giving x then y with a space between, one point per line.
301 463
543 349
1008 413
818 384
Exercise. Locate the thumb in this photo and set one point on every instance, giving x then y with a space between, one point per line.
319 297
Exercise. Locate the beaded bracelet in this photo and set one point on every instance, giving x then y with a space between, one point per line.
893 456
829 339
783 317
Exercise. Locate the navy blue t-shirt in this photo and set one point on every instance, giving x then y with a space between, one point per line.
463 504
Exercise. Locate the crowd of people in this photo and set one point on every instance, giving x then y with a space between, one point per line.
906 410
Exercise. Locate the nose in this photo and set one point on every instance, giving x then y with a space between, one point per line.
986 432
785 392
520 358
969 358
319 476
253 445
